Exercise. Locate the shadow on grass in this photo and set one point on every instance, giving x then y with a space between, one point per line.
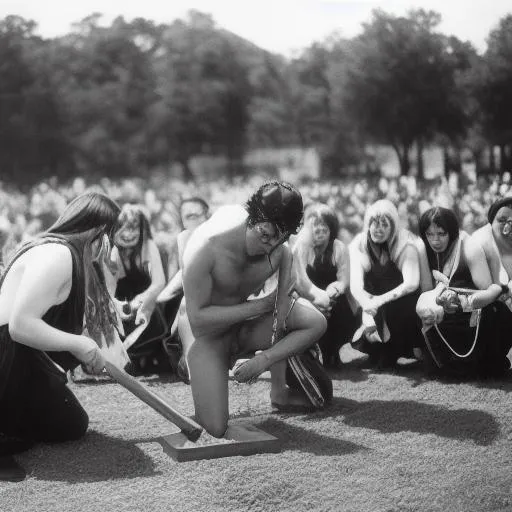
407 416
306 440
95 458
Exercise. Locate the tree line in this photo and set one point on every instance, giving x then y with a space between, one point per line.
132 97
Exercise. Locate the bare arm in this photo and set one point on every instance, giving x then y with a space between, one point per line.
481 275
175 285
46 282
338 287
147 299
173 288
284 288
205 317
304 286
356 273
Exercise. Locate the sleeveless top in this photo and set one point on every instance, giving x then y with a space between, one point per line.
323 271
382 277
68 316
135 281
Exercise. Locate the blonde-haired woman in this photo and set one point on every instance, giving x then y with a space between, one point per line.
388 271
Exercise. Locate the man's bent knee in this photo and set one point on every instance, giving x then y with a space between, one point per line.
215 429
318 324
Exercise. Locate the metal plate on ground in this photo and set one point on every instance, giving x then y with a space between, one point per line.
240 439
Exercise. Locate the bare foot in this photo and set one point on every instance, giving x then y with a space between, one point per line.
290 400
248 370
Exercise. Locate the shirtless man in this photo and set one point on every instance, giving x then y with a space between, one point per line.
227 259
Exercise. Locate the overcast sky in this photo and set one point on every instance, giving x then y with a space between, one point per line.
282 26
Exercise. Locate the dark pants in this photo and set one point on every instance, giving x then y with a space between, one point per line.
36 405
341 326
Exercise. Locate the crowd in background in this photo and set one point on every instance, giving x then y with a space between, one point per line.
25 213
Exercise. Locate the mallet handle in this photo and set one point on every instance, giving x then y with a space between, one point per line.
189 427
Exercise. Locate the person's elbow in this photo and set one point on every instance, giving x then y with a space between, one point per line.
198 320
20 327
411 285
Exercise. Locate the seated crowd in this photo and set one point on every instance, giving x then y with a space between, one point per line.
270 284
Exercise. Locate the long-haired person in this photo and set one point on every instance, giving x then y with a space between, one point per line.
388 271
458 332
322 272
46 289
140 278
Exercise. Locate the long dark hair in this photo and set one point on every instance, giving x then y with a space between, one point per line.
87 217
445 219
84 220
145 233
323 213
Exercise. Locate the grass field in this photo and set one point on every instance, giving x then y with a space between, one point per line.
390 442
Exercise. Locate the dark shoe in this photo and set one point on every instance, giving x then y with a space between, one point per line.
386 363
10 470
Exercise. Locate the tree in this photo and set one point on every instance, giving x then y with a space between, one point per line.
30 124
400 82
494 90
106 85
205 92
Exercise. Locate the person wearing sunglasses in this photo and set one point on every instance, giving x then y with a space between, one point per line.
228 259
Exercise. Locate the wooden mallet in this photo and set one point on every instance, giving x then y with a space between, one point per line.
189 427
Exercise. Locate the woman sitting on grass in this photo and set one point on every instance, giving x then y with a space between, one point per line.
457 331
140 278
388 271
46 289
322 268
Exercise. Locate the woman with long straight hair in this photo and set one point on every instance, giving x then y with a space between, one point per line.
47 289
388 271
322 276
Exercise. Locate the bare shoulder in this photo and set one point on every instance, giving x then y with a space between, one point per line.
50 255
48 265
472 246
480 236
211 233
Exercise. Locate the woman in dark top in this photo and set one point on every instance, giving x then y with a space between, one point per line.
388 271
457 323
140 279
325 281
45 290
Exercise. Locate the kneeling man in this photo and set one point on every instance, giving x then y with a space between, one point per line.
228 259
